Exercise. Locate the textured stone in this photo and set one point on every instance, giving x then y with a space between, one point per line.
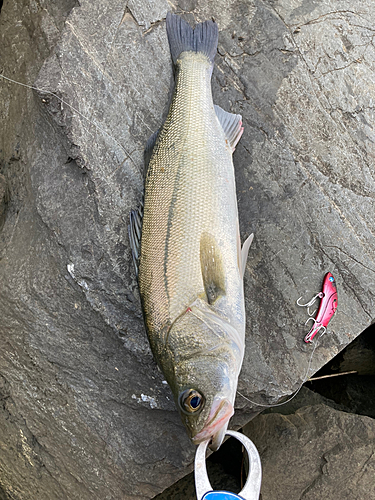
85 412
315 452
354 391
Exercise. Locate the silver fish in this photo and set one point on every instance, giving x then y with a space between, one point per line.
189 254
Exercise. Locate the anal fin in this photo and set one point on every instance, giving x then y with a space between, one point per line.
245 252
231 124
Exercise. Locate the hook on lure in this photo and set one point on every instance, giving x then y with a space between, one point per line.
319 295
327 307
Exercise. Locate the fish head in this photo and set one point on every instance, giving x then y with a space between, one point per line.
205 379
207 387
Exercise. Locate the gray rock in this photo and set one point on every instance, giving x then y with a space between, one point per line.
184 489
85 412
359 355
316 452
305 397
355 391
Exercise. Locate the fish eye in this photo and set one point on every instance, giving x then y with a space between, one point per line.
191 401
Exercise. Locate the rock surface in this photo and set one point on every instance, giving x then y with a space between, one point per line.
85 413
353 391
302 443
315 452
223 469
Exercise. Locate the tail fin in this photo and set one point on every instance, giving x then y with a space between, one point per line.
183 38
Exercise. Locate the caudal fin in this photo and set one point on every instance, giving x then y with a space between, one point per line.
182 38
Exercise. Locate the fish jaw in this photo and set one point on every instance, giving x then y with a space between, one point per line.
218 438
216 423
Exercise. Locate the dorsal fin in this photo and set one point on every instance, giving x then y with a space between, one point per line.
135 232
231 124
212 268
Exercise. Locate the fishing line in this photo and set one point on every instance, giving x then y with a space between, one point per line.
299 388
128 155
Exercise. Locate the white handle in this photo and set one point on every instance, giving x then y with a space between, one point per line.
251 490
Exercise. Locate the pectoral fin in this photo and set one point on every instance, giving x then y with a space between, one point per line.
212 268
245 252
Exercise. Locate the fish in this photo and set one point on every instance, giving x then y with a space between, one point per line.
185 241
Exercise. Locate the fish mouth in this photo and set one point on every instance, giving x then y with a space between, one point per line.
221 412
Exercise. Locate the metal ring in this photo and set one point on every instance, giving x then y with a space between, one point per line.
251 490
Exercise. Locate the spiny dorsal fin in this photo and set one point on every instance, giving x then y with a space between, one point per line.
135 232
245 252
212 268
231 124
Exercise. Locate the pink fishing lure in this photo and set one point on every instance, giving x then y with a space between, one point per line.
327 307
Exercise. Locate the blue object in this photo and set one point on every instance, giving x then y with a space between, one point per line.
220 495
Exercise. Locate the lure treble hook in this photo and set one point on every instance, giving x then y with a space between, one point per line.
314 330
319 295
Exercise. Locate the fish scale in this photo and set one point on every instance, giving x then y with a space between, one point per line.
185 193
190 265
